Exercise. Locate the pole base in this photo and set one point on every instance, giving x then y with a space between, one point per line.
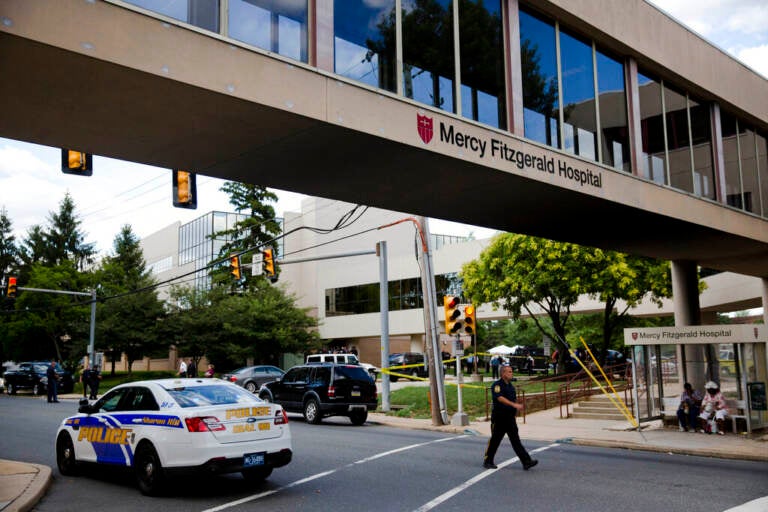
460 419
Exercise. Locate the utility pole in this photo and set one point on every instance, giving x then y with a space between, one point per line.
436 379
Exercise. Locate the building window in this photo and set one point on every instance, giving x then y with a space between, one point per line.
578 82
279 26
678 139
364 42
538 61
200 13
654 153
701 146
428 56
612 105
762 174
482 62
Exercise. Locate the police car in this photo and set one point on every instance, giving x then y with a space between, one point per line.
162 427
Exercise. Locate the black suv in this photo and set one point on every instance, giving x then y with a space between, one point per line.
320 390
406 359
32 375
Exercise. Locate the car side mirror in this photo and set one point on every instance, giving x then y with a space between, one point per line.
85 407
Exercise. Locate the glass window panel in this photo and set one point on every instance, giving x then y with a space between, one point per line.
731 159
762 161
364 41
678 141
652 130
539 68
200 13
482 62
578 96
613 112
279 26
428 70
748 169
701 146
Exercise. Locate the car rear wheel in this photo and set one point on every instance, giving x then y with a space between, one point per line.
312 411
256 475
149 472
65 455
251 387
358 417
264 395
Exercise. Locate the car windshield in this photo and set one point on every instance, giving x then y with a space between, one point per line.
200 396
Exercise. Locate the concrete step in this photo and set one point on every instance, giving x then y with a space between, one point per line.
597 415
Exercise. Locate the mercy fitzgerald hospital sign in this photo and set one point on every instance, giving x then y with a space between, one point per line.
497 149
697 335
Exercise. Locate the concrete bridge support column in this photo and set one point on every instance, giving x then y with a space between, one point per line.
685 292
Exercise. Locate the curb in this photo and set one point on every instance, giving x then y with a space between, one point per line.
34 491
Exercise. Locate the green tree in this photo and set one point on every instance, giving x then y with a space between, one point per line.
262 323
129 315
9 261
64 240
41 319
258 229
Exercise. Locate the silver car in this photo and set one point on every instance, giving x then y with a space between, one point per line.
252 377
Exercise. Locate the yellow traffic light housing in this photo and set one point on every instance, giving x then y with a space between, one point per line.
470 322
184 189
234 267
269 264
453 320
11 292
76 162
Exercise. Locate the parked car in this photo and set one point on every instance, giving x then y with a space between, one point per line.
342 358
320 390
160 426
413 362
252 377
31 375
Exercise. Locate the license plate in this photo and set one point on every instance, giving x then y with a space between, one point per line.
355 393
253 459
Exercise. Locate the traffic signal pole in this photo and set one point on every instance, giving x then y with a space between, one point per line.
92 295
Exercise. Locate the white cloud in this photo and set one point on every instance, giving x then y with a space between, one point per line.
756 58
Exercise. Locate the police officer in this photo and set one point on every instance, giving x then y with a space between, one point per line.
505 407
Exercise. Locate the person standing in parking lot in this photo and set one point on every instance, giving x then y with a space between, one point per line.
182 369
53 383
504 421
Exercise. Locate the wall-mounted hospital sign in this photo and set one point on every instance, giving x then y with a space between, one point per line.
696 334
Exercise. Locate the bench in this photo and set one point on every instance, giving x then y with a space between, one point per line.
737 410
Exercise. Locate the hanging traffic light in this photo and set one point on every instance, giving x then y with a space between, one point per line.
11 291
184 189
234 267
453 320
470 322
269 264
76 162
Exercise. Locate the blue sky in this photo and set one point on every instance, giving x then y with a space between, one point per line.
118 193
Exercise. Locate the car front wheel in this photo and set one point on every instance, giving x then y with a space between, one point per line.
312 412
148 470
10 389
65 455
36 389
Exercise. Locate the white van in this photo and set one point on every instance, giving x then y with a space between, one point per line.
343 359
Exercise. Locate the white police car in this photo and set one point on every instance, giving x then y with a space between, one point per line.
162 427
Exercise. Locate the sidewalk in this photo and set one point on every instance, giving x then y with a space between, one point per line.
23 484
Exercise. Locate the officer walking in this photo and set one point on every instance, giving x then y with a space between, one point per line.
503 422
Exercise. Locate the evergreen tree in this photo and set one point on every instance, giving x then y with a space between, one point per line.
64 240
128 317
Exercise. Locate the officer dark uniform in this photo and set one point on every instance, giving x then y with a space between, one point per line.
503 421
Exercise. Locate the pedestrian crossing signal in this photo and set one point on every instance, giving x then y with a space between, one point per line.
234 267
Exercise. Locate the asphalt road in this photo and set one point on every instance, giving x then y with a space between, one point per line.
339 467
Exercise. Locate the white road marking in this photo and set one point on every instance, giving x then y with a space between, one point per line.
472 481
758 505
326 473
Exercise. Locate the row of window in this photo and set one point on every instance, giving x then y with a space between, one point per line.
403 294
574 93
